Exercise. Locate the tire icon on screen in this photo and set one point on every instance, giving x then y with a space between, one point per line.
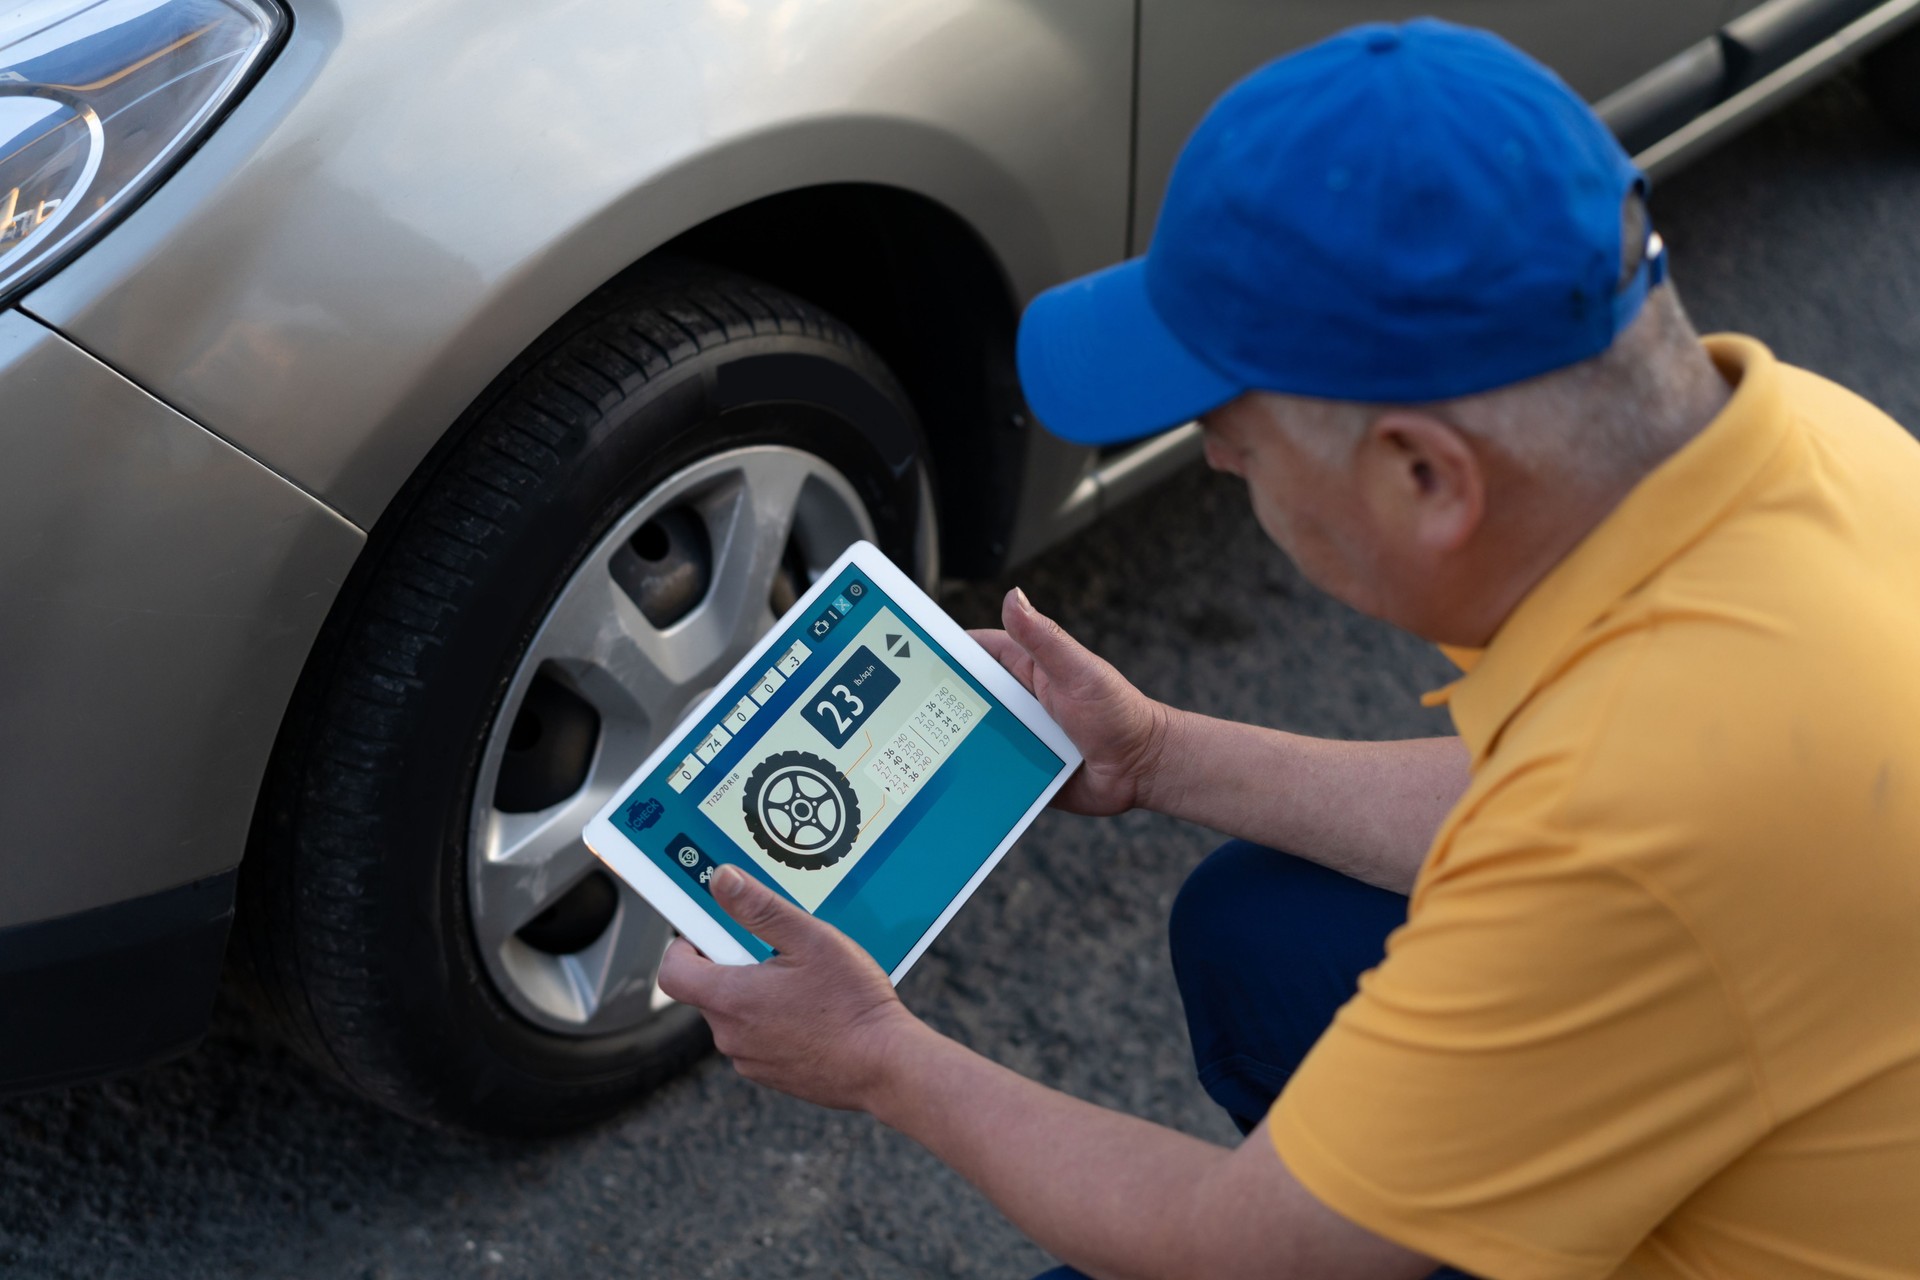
801 811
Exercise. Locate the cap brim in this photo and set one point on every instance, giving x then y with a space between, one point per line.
1099 367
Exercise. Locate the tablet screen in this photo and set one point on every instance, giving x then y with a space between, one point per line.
858 770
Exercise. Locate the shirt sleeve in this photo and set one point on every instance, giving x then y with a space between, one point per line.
1541 1069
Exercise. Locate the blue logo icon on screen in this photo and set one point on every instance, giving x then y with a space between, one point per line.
844 605
643 813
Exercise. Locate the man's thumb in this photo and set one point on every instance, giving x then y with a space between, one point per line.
1045 641
761 911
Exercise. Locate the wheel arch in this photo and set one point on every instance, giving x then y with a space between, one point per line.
926 292
920 242
919 282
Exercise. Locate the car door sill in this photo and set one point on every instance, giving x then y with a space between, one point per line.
1778 87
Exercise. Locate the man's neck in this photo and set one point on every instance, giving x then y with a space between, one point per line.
1555 517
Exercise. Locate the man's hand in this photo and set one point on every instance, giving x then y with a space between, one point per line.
1119 730
819 1020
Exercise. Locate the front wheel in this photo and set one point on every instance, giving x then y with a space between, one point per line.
624 521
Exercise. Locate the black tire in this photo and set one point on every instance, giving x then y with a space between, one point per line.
800 811
354 933
1893 81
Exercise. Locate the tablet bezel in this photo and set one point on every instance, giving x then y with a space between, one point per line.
678 904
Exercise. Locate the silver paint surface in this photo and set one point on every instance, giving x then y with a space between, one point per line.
1191 49
417 188
159 592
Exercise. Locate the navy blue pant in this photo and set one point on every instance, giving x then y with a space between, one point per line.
1266 948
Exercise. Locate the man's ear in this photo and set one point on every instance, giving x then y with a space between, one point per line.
1422 479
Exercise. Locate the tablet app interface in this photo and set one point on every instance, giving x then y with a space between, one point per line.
836 768
861 772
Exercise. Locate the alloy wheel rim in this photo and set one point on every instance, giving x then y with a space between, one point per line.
663 606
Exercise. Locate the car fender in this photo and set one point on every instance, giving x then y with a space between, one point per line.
415 191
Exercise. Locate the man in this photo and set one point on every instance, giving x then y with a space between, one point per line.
1653 1005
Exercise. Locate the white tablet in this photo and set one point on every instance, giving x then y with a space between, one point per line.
868 760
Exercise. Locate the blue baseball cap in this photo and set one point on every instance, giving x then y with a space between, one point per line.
1398 214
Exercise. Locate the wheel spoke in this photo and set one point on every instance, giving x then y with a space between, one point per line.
598 638
623 964
750 520
631 670
532 859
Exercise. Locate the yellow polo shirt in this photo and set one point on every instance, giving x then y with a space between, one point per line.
1655 1011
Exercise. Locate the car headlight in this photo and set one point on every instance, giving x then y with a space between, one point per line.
96 98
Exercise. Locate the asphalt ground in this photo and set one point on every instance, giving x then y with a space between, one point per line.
238 1161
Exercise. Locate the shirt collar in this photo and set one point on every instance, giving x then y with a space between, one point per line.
1659 518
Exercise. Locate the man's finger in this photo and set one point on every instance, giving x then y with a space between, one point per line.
688 976
761 911
1067 662
1007 652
